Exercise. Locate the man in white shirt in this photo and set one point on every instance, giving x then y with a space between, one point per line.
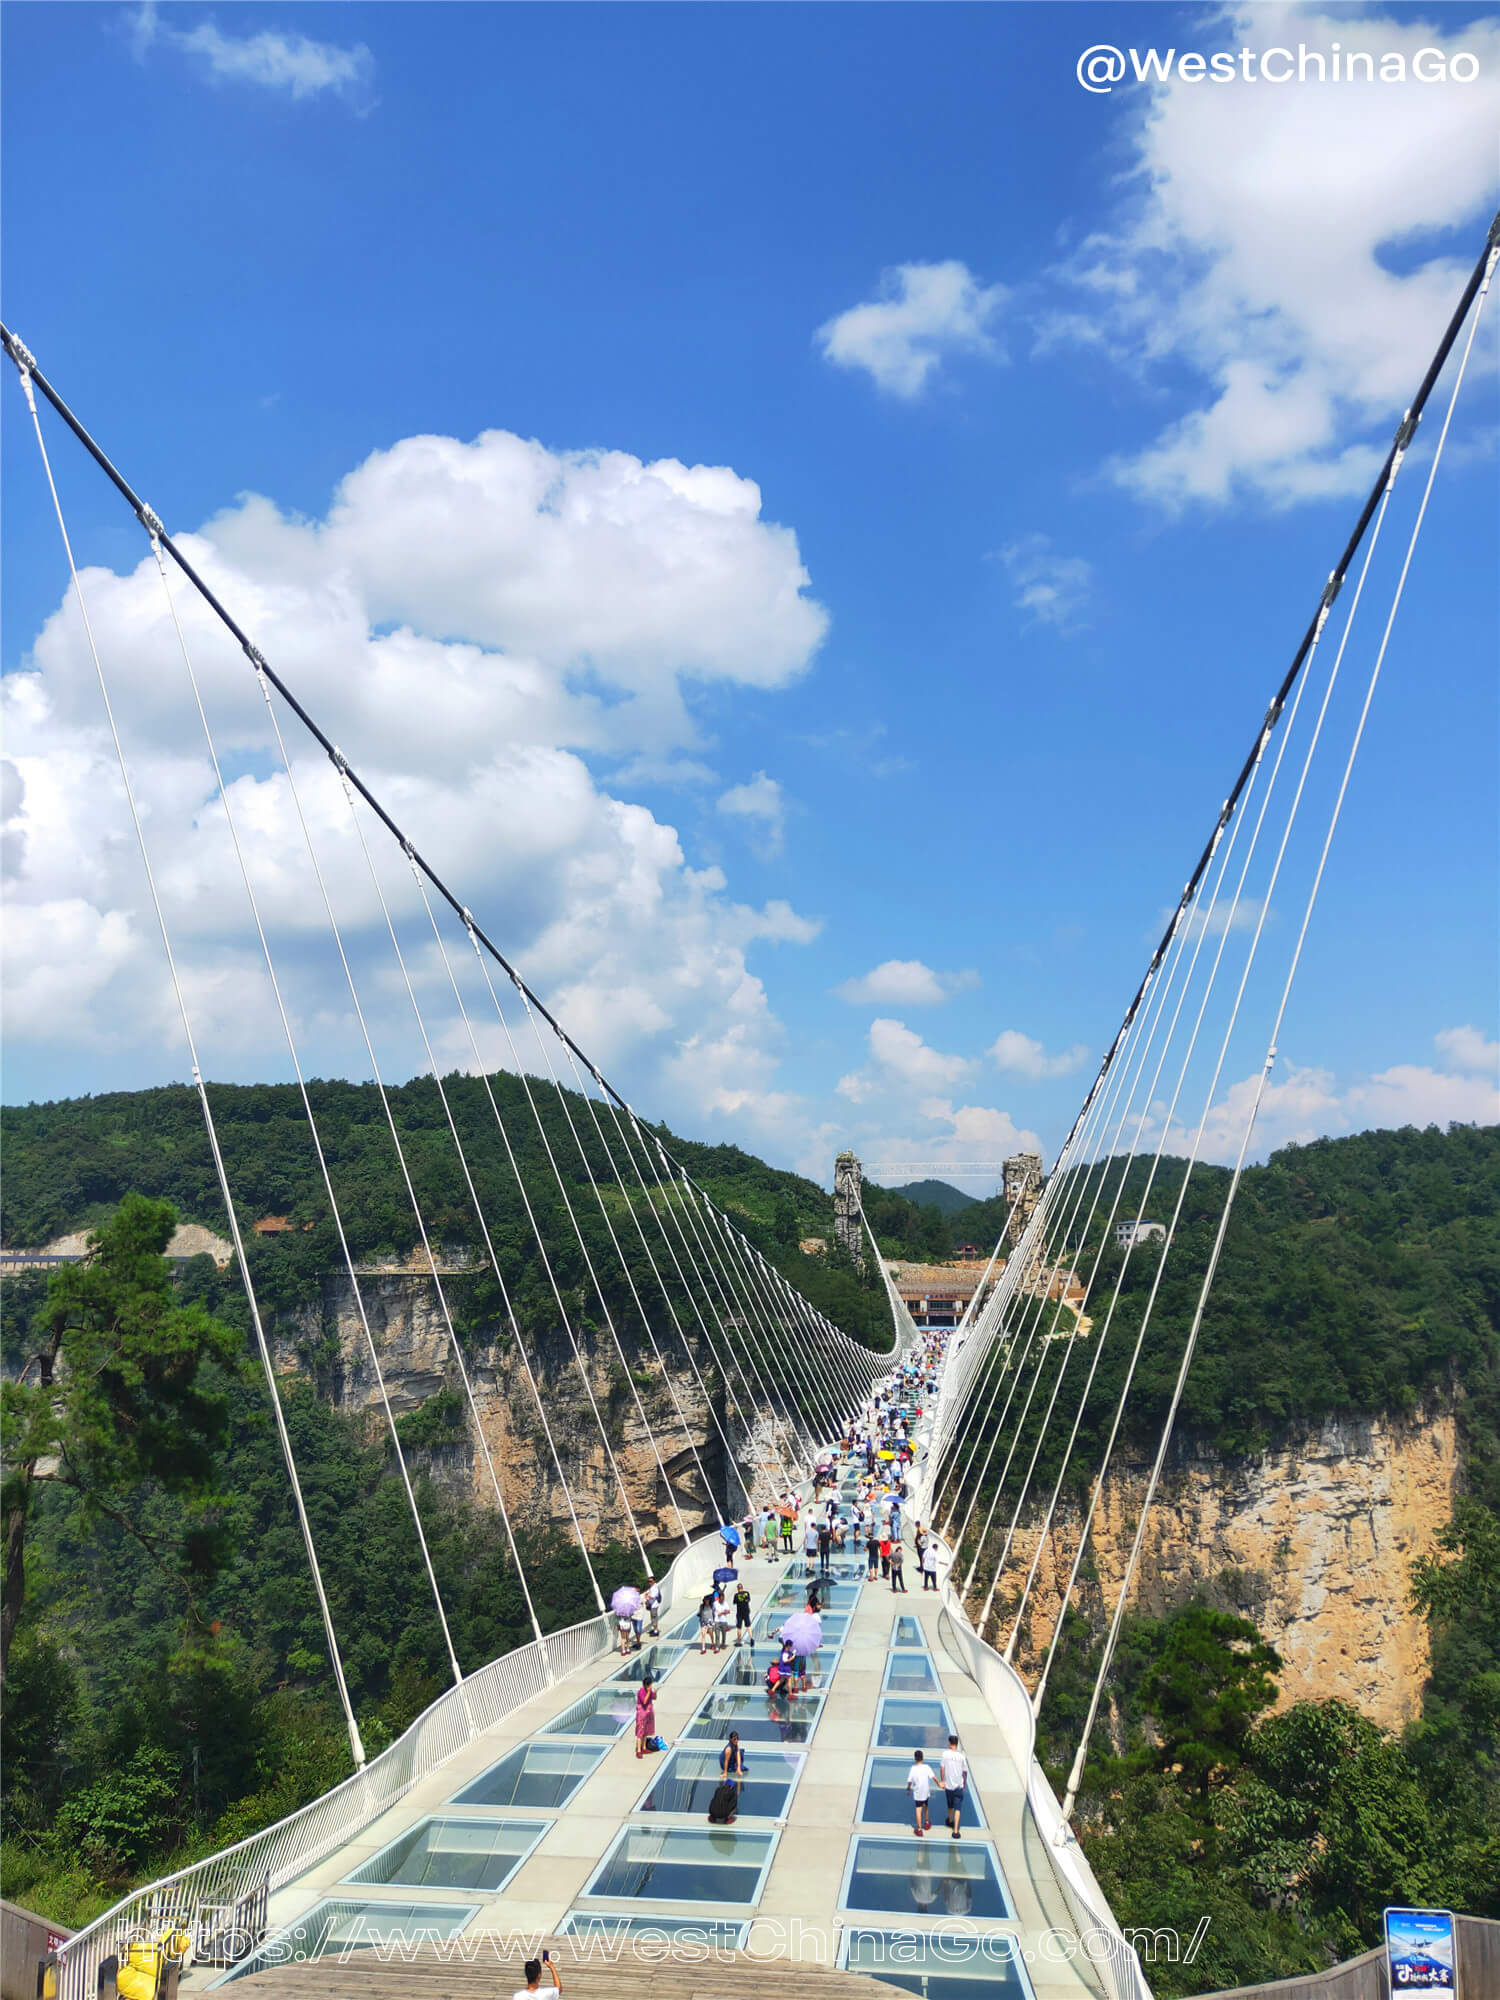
919 1784
953 1770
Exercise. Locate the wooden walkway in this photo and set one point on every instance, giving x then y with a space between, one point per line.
590 1970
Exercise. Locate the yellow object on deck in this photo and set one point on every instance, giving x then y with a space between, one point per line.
144 1961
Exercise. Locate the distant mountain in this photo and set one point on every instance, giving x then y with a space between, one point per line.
935 1194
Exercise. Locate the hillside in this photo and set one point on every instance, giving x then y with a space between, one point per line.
947 1200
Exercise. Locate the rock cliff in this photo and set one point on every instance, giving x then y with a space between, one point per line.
534 1411
1313 1540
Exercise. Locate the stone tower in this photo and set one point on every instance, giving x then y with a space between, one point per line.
1023 1183
847 1207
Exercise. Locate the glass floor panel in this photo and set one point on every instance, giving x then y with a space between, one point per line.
687 1780
846 1567
605 1711
744 1668
885 1799
658 1660
718 1933
908 1632
769 1623
454 1854
906 1724
538 1774
684 1864
944 1966
911 1673
340 1924
789 1719
832 1596
925 1878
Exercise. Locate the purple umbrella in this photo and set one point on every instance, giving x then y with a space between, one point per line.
626 1601
803 1631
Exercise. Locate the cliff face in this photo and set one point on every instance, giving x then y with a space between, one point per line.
1313 1541
520 1401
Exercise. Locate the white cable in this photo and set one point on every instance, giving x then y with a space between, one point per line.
356 1744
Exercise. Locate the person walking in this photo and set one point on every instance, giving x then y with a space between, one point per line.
742 1615
705 1621
930 1564
898 1573
825 1545
788 1525
723 1613
919 1785
653 1607
645 1714
885 1552
810 1538
953 1770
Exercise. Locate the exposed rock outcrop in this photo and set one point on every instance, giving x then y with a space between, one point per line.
1313 1540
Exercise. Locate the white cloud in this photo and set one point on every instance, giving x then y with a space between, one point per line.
904 982
1258 252
1468 1051
1305 1103
762 807
1022 1056
926 312
899 1058
465 622
1050 588
290 65
973 1132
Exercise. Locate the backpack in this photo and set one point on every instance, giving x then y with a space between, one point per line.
723 1805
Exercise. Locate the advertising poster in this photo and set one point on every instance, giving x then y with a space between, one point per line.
1419 1950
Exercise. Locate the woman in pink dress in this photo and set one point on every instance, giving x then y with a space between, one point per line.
645 1714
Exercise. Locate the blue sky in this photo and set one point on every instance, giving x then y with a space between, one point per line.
1062 402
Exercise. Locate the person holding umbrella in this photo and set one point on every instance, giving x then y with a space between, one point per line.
731 1538
625 1604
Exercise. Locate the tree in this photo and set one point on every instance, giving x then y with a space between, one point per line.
1213 1677
785 1226
124 1387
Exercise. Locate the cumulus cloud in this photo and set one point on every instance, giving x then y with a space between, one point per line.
289 65
1049 587
899 1057
1022 1056
1308 1102
925 314
904 982
469 622
761 807
1259 252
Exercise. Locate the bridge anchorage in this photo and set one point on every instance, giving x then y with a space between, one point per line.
711 1402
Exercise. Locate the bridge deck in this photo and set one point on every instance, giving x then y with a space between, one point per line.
795 1880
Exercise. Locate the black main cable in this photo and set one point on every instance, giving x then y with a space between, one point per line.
1405 431
25 362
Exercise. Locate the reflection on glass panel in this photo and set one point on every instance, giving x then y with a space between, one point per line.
758 1718
911 1673
886 1799
944 1966
339 1924
604 1712
744 1669
454 1854
908 1632
688 1779
831 1596
656 1660
716 1933
926 1878
679 1864
912 1725
538 1774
